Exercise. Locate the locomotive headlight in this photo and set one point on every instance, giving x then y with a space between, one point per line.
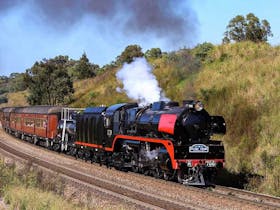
198 106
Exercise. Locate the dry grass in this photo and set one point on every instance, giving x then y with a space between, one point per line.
176 78
24 186
16 99
243 84
19 188
97 91
32 198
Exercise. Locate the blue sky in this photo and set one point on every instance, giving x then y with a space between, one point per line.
29 33
214 15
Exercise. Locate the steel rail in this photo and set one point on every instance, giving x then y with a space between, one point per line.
245 194
147 200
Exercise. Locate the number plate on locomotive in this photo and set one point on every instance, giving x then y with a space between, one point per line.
210 163
198 148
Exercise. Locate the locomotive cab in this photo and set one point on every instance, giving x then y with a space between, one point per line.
117 119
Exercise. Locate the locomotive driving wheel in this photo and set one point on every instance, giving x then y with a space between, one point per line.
134 163
167 175
158 173
182 176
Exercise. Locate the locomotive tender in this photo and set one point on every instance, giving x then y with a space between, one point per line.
163 139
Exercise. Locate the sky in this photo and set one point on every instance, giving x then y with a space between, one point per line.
32 30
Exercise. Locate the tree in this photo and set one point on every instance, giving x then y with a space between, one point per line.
247 29
202 51
84 69
183 64
153 53
4 83
130 52
49 82
16 82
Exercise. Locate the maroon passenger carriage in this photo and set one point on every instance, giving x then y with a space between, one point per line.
163 139
33 123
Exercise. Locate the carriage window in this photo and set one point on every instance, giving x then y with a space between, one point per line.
38 123
17 120
29 122
44 123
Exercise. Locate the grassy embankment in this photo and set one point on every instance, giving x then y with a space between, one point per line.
239 81
242 83
16 99
97 91
23 189
175 73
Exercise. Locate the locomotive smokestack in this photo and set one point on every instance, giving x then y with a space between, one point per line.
139 82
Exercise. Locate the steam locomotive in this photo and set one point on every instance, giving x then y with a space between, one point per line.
163 139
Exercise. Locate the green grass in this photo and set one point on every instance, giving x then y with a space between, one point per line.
240 81
243 84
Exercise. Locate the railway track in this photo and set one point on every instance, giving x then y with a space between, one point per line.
146 200
272 201
140 198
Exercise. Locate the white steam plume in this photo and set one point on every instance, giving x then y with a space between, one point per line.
139 83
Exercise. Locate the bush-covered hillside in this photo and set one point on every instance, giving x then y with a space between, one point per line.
175 73
240 81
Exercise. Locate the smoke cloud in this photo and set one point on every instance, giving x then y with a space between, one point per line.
161 18
139 83
37 29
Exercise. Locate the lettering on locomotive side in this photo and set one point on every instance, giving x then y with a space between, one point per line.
198 148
